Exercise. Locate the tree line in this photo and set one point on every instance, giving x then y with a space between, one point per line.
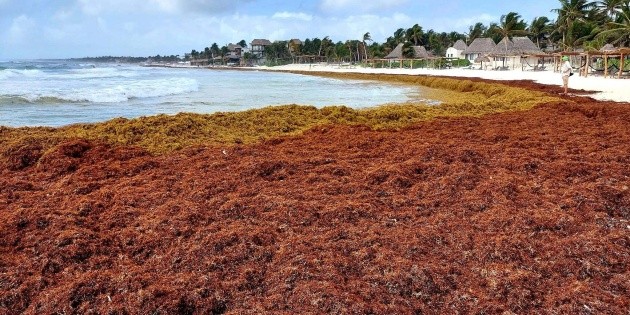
577 23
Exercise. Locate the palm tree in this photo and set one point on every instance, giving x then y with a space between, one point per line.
325 43
510 24
569 12
476 31
619 30
414 34
612 8
408 51
539 29
215 50
366 38
224 51
399 36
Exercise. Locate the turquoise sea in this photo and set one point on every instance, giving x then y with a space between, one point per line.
61 92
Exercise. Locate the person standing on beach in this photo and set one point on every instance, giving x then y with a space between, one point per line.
566 73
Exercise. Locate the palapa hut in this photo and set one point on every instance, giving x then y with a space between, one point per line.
607 61
396 53
479 47
515 52
456 51
419 52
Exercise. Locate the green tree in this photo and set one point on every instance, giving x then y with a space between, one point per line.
399 36
476 31
612 8
539 29
571 11
618 32
324 46
214 48
224 52
414 34
242 43
509 25
408 51
366 38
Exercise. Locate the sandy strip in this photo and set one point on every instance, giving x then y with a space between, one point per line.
611 89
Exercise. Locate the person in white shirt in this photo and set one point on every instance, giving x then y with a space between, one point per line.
565 70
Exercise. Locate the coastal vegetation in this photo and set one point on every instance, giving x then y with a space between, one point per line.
129 59
577 23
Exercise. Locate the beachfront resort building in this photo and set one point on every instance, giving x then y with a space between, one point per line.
457 50
479 48
419 52
518 52
258 47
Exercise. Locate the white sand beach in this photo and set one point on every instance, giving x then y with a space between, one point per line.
611 89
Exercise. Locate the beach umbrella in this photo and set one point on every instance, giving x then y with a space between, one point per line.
482 59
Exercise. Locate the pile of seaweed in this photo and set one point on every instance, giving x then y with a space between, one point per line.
524 208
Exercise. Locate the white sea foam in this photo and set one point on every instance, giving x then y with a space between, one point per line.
54 93
117 93
12 73
97 73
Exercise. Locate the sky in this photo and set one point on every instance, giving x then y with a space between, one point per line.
38 29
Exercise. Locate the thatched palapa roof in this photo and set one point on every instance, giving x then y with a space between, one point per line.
261 42
233 47
396 53
460 45
525 46
516 46
419 52
480 46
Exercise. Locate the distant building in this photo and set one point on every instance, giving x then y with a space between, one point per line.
258 47
235 50
478 48
515 52
419 52
457 50
294 46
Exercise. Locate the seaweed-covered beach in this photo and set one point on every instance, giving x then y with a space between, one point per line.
507 199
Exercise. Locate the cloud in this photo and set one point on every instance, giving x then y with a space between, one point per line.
461 24
95 7
210 6
333 6
21 28
293 16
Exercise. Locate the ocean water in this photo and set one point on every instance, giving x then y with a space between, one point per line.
60 92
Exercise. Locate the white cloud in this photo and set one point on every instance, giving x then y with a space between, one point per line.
293 16
95 7
62 15
360 5
21 28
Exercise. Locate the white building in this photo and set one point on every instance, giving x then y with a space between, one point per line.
457 50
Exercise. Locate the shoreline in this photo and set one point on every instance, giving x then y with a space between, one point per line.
603 89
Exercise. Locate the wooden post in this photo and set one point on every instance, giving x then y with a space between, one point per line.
620 66
605 66
588 64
